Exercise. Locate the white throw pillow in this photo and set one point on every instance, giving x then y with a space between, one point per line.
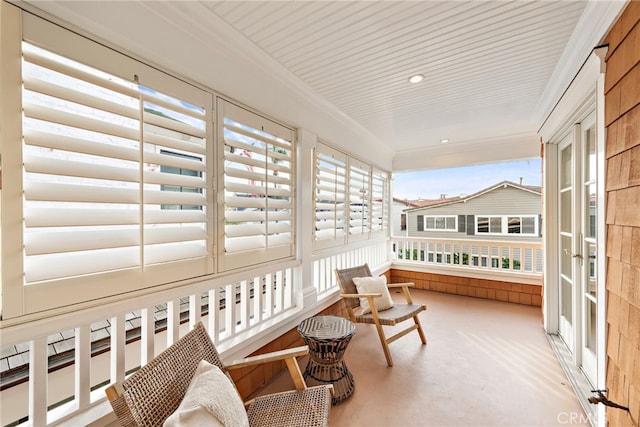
373 285
210 400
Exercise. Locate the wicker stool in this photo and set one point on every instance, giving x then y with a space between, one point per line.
327 338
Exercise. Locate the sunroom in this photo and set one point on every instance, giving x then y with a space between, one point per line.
171 162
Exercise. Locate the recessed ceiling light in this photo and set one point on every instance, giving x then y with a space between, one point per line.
416 78
444 141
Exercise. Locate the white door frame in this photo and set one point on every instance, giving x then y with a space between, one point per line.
585 94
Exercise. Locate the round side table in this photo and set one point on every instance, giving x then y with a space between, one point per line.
327 338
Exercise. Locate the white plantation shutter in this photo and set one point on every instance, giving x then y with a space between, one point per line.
379 201
330 196
258 180
175 171
115 176
359 200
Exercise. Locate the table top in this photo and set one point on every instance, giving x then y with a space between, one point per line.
326 328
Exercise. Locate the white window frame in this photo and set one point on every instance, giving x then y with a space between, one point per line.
504 225
257 163
379 215
359 200
435 220
352 193
48 224
164 247
330 196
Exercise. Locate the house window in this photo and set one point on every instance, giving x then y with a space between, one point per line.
440 223
351 199
521 225
403 222
85 143
180 188
330 193
359 200
258 180
507 225
379 205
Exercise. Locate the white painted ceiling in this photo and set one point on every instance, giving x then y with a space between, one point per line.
486 63
339 69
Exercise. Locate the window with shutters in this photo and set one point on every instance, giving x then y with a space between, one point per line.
114 175
351 199
359 200
379 201
330 180
258 184
94 152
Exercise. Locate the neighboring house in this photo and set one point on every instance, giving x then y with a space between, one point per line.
504 211
399 217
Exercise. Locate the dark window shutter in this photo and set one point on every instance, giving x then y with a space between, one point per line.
540 225
420 223
471 225
462 224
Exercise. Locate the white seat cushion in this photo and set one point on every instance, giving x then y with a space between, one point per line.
373 285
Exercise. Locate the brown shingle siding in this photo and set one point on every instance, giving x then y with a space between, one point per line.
622 117
516 293
630 96
623 54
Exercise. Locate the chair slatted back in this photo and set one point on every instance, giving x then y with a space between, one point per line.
154 392
345 280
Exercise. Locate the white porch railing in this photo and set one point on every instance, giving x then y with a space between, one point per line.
130 339
324 265
103 344
470 255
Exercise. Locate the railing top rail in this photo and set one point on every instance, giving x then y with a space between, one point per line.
474 241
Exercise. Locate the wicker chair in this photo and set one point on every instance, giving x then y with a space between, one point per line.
390 317
150 395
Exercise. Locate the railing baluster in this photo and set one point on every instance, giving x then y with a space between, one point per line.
147 334
118 340
83 366
288 289
229 310
195 309
278 292
38 367
173 321
214 312
245 302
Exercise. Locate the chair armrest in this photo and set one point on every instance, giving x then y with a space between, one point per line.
374 295
405 289
268 357
401 285
288 356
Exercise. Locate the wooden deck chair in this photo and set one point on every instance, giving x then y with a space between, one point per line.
154 392
390 317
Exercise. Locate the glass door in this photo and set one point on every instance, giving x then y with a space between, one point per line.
566 225
577 209
588 250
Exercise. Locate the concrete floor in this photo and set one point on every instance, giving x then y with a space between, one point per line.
486 363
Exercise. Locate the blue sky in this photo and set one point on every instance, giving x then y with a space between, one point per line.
430 184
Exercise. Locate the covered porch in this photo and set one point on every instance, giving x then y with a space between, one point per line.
186 250
486 363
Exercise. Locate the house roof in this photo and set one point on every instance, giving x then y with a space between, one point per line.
462 199
411 203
